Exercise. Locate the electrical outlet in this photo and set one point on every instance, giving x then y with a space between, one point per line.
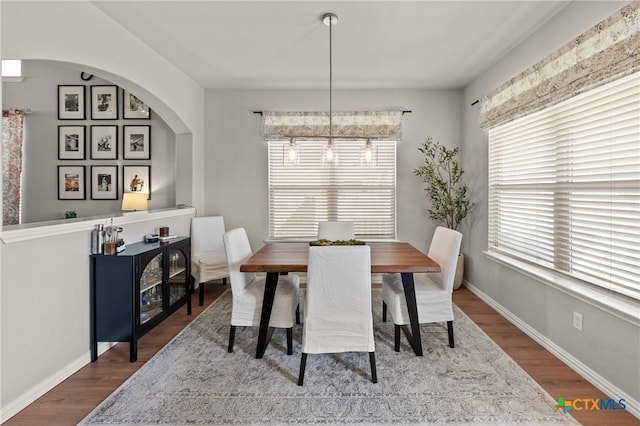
577 321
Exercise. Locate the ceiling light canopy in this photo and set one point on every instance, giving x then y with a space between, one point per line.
330 18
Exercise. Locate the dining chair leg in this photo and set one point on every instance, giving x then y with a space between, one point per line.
303 364
201 293
372 361
298 314
396 338
232 335
290 341
384 312
450 331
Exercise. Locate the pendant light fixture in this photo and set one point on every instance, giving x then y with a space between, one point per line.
368 154
330 19
291 154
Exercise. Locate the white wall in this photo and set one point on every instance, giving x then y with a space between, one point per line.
38 92
45 301
236 155
44 282
609 348
87 39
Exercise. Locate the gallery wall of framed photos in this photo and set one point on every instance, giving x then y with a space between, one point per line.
105 142
82 142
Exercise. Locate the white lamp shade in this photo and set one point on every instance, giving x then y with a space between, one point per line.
134 201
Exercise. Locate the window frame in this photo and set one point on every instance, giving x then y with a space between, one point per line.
315 163
613 298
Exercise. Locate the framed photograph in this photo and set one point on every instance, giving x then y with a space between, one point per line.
71 102
136 144
137 179
104 142
134 108
104 182
104 102
71 144
71 183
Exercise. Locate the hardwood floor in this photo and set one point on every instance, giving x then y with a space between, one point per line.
551 373
69 402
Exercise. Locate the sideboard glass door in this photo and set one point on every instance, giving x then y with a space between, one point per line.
151 294
177 276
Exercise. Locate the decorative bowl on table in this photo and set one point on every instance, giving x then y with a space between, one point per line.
324 242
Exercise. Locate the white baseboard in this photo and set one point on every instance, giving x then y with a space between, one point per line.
632 405
28 397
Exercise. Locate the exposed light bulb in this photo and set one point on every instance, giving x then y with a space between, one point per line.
368 154
292 152
330 152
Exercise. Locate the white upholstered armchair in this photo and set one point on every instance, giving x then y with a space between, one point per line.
337 312
248 291
335 230
208 259
433 291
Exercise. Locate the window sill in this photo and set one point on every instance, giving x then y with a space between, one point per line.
622 307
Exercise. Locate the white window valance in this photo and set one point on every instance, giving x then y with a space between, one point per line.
606 52
385 125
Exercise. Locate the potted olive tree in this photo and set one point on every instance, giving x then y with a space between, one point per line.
447 193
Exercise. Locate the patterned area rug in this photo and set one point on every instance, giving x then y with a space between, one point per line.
193 380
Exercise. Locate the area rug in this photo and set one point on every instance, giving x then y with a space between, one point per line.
193 380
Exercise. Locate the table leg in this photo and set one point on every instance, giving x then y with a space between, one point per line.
265 317
410 296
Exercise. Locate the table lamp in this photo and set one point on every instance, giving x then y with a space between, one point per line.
134 201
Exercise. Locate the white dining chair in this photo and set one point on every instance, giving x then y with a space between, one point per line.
337 310
433 291
208 259
248 291
335 230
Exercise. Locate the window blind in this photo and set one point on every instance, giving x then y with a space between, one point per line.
308 191
564 187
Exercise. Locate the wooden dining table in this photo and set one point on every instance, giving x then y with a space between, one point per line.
277 258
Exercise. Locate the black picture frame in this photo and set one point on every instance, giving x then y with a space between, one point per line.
136 142
71 142
104 102
136 179
104 182
133 108
71 183
71 102
104 142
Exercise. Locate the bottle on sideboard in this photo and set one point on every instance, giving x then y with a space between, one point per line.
97 239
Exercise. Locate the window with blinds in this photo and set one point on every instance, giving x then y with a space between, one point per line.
564 187
355 187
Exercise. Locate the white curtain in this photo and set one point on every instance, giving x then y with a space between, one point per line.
12 135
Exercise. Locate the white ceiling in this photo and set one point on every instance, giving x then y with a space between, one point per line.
376 44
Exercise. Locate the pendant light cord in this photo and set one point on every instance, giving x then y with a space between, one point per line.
330 19
330 80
